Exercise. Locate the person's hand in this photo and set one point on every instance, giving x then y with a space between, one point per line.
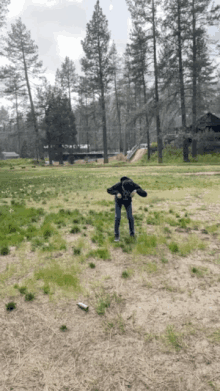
119 195
133 193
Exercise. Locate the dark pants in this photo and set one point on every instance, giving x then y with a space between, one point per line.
128 207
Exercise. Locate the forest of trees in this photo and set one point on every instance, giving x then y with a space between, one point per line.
165 79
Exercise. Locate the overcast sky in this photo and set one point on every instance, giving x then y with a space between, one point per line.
58 26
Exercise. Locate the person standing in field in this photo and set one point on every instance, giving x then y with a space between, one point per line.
123 192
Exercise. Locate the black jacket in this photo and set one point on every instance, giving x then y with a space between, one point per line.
117 188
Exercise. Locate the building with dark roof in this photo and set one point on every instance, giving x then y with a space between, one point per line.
8 155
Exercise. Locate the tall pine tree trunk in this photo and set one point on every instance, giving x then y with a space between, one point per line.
182 91
118 115
87 126
194 96
18 127
104 128
146 118
32 105
104 125
159 138
95 122
127 116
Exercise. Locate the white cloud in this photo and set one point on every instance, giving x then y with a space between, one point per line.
15 8
47 3
50 77
129 25
111 7
51 3
69 46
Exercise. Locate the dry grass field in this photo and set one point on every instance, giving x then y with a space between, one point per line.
154 303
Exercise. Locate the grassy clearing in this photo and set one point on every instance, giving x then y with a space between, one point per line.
156 295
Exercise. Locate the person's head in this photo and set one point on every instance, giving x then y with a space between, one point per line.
127 185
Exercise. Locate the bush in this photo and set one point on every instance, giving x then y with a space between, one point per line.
76 251
75 229
5 250
29 296
102 253
173 247
10 306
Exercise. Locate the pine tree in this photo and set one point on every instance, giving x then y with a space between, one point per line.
59 124
145 12
127 88
22 52
201 16
3 11
84 93
66 78
116 67
15 91
97 63
172 69
139 64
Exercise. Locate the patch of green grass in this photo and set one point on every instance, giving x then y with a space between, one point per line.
173 338
127 244
127 273
92 265
76 251
104 203
146 244
212 228
192 243
56 275
183 222
198 271
215 336
75 229
98 238
150 267
102 304
63 328
46 289
157 200
164 260
4 250
29 296
167 230
23 290
47 230
171 221
10 306
13 223
102 253
174 248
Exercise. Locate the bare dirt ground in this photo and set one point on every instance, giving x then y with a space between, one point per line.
138 155
160 333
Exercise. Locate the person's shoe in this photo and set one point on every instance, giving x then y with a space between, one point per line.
116 239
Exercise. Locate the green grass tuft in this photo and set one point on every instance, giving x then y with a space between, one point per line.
10 306
4 250
173 247
29 296
102 253
102 304
75 229
146 244
63 328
